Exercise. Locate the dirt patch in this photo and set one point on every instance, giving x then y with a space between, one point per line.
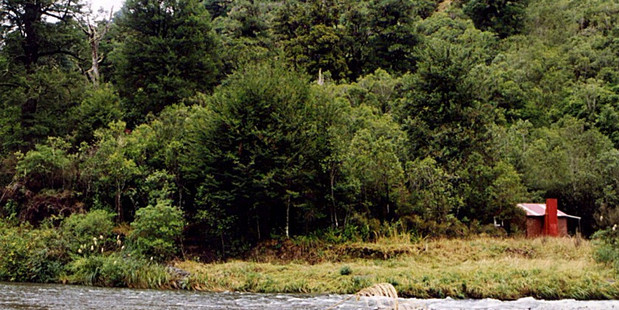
45 205
37 206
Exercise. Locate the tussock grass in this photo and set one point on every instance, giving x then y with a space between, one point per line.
480 267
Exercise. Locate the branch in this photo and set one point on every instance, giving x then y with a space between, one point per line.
86 32
59 15
53 15
66 11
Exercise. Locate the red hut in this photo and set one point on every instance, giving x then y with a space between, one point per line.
544 219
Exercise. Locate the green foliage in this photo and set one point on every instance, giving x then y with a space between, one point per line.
504 17
571 155
244 30
100 107
505 192
37 105
85 230
345 271
437 118
350 38
356 231
155 32
433 195
30 255
372 160
438 110
117 270
392 35
310 37
111 169
156 231
379 90
607 249
254 149
47 166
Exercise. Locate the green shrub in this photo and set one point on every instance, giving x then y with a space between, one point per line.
100 107
86 270
47 165
157 230
31 255
81 230
345 270
607 247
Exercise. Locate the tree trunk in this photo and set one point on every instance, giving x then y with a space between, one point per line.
31 20
333 206
94 69
223 245
117 202
95 35
258 227
288 218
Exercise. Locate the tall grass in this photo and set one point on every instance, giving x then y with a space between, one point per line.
117 270
481 267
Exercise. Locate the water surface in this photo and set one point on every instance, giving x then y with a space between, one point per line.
54 296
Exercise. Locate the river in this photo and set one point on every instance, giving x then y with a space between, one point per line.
68 297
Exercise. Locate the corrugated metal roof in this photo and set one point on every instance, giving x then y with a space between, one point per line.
539 209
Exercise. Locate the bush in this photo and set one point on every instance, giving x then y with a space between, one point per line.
31 255
607 247
344 271
81 229
46 166
156 231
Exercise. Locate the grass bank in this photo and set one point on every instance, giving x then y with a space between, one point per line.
472 268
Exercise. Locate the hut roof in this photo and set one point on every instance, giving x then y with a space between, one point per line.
539 209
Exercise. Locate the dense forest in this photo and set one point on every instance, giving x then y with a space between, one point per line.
258 119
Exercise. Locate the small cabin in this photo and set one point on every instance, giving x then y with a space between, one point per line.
544 219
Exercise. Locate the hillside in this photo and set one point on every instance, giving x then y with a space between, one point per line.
435 117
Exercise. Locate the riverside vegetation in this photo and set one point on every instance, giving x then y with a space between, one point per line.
204 130
476 267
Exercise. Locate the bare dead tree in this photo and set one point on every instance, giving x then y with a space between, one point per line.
95 32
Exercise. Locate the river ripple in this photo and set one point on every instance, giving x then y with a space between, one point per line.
53 296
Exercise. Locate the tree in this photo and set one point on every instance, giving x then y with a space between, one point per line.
40 76
565 161
379 90
392 35
157 230
439 110
432 192
37 105
37 28
47 166
168 52
245 33
253 152
310 36
95 32
100 107
504 17
372 162
110 168
506 191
